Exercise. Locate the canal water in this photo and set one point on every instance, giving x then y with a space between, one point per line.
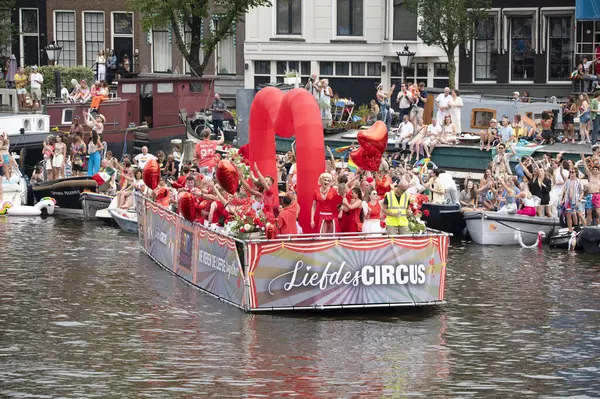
84 314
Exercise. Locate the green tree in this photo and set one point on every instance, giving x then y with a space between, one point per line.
7 31
183 16
448 23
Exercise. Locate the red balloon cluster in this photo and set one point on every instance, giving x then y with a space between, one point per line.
383 185
187 206
228 176
373 143
151 174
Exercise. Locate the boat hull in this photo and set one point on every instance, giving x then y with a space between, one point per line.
127 221
589 239
492 228
66 192
92 203
443 217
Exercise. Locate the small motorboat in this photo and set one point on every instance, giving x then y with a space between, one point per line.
66 192
494 228
562 238
93 202
444 217
43 208
127 220
589 239
104 214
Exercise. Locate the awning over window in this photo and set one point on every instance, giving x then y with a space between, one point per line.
587 10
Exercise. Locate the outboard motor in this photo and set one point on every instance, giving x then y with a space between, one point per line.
589 238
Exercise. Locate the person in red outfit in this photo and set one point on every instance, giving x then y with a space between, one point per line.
180 183
323 212
286 221
372 210
353 211
204 154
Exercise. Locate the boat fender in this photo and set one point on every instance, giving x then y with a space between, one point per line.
537 243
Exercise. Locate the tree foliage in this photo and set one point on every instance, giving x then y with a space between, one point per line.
448 24
187 16
7 30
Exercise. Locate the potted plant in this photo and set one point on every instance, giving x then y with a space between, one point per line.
292 78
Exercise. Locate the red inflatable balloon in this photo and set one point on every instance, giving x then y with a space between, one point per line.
187 206
375 139
151 174
244 151
227 176
373 143
383 185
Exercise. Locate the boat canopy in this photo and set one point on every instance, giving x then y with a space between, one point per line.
587 10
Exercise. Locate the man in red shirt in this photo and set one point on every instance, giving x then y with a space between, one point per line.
286 221
204 155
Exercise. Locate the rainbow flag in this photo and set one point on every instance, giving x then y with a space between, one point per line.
351 165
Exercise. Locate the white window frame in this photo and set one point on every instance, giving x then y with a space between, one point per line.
75 25
63 121
507 13
152 50
21 35
493 12
217 53
274 33
391 22
550 12
112 29
84 60
334 34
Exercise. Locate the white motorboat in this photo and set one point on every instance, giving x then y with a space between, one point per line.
127 220
493 228
93 202
104 214
15 190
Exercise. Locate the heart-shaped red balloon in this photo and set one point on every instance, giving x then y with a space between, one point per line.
187 206
151 174
375 139
383 185
366 160
227 176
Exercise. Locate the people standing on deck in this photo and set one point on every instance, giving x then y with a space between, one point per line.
78 151
94 147
204 153
21 86
35 81
569 111
218 109
456 105
5 155
323 215
595 119
443 104
47 152
97 125
584 119
58 158
404 100
592 171
395 207
571 195
383 100
372 213
418 109
100 66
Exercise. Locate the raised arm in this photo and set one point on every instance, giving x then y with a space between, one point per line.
222 138
585 166
261 178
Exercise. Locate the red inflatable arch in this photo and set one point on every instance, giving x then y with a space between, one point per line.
295 113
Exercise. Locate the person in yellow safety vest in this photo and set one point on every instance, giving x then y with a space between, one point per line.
395 207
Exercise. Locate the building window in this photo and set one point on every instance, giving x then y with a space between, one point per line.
226 59
262 67
522 55
287 66
416 73
64 35
440 70
196 87
326 69
342 68
161 51
289 17
358 69
560 47
29 36
350 17
93 36
405 22
188 43
485 50
122 35
373 69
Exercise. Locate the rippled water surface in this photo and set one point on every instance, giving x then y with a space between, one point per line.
84 313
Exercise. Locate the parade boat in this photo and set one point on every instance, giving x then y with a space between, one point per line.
67 193
143 112
304 272
494 228
92 202
444 217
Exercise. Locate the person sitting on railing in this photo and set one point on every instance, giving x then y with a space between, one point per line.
100 95
489 136
83 94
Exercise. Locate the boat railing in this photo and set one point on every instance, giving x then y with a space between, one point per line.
483 97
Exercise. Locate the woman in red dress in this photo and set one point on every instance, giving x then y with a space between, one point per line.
352 210
323 212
